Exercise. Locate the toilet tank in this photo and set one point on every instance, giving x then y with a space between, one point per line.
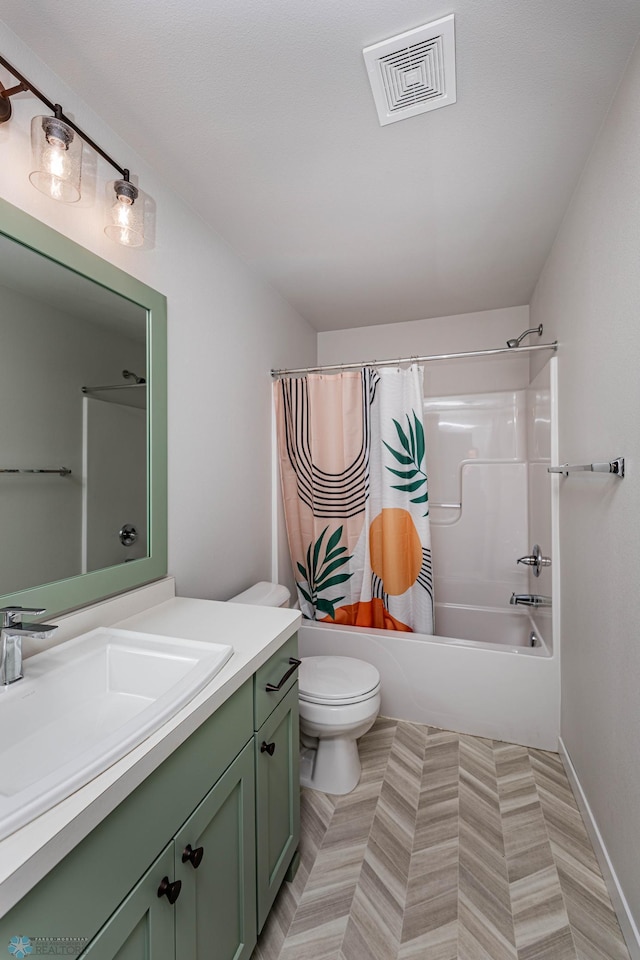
264 594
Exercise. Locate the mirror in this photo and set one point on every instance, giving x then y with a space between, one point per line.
82 422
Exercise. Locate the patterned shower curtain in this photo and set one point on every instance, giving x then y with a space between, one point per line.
354 482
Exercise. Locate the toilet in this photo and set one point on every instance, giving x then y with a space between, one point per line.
264 594
339 700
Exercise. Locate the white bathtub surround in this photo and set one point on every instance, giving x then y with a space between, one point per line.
478 490
478 674
491 447
488 690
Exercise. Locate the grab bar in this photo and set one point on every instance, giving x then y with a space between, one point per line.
613 466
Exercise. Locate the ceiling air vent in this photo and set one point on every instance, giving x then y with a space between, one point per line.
413 72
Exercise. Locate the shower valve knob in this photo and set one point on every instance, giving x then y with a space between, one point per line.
536 560
128 535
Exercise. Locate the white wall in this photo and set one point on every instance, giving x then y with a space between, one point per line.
464 332
226 330
589 296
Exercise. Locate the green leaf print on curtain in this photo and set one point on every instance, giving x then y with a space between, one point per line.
412 444
320 575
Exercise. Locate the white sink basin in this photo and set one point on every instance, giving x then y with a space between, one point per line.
86 703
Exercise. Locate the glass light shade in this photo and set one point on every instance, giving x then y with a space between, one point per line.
125 213
56 153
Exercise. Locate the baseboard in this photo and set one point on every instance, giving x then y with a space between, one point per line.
618 899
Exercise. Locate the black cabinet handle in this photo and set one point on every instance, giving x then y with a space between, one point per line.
169 890
274 687
193 856
269 748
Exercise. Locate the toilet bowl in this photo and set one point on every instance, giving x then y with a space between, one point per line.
339 699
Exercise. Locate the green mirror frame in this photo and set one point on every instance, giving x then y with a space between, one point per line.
64 595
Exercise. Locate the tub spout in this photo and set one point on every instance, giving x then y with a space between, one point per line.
530 600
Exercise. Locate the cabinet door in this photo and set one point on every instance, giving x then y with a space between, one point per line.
216 913
142 928
277 799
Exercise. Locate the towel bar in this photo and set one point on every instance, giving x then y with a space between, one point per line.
612 466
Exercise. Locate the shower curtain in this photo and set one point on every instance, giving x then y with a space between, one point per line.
354 483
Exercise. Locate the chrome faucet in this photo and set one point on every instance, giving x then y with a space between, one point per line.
13 630
530 600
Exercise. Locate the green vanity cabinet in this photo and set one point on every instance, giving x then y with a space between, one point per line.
219 818
275 704
209 867
277 798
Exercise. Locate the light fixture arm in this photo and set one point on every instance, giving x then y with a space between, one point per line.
10 91
26 85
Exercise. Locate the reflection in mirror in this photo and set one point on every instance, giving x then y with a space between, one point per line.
73 462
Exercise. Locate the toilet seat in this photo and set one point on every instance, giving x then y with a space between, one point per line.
337 681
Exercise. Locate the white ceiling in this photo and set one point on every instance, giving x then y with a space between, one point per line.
259 113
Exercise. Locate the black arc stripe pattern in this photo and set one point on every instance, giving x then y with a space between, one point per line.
336 495
378 591
425 577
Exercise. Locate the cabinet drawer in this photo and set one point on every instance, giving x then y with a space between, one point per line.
272 673
87 886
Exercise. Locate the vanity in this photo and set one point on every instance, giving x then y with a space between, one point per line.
179 848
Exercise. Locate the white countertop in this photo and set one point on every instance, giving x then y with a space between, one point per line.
255 634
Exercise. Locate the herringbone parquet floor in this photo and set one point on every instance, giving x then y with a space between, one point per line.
450 848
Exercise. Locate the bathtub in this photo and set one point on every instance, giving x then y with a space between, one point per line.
500 682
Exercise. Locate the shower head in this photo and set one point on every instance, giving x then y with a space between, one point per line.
130 375
515 342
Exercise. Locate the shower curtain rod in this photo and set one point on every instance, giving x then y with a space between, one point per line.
392 363
112 386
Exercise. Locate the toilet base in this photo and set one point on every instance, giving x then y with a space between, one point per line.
334 767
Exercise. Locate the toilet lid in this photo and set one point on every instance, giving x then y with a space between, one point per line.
336 679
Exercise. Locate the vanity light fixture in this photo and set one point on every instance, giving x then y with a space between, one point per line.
56 154
125 213
56 147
